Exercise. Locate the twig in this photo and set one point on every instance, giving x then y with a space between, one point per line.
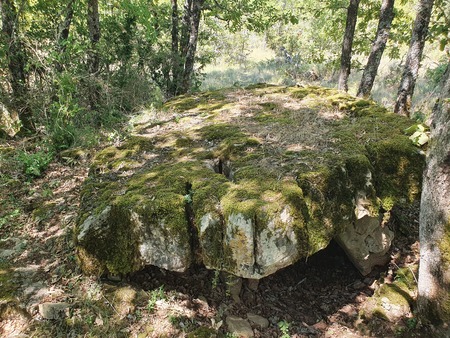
109 303
296 285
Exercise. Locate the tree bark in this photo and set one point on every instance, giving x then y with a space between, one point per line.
378 46
94 36
347 43
63 32
93 57
413 58
16 61
434 271
177 65
186 26
192 45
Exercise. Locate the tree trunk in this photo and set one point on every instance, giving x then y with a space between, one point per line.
16 61
177 65
347 43
63 32
94 36
434 271
186 26
192 45
93 61
413 58
378 46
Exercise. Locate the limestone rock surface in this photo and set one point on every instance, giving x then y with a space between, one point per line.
248 181
240 327
258 320
53 310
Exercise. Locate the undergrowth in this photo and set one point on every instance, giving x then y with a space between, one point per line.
35 163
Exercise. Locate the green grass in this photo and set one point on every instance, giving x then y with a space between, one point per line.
261 65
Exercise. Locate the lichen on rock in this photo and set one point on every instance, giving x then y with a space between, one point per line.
248 181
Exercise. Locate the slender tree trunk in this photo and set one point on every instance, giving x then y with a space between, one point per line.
16 61
186 26
192 45
347 43
93 60
94 36
413 58
175 24
434 271
177 65
63 32
378 46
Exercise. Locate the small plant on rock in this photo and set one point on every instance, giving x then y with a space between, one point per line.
419 134
215 280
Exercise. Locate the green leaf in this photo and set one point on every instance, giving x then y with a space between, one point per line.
423 139
411 130
416 128
419 138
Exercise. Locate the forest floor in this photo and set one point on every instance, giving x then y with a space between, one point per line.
44 294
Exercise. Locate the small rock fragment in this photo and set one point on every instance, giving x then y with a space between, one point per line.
6 253
203 300
234 287
358 285
239 327
320 326
99 321
114 278
52 310
368 280
258 320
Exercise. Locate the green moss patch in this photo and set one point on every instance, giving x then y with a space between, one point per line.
207 101
9 285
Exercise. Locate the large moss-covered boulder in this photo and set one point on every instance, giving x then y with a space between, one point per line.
248 181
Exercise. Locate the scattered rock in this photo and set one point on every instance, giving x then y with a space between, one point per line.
53 310
234 285
349 310
202 300
13 319
320 326
99 321
258 320
33 288
73 155
358 285
368 280
366 241
123 299
374 285
390 302
114 278
239 327
6 253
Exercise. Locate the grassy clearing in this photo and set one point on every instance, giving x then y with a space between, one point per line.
261 64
